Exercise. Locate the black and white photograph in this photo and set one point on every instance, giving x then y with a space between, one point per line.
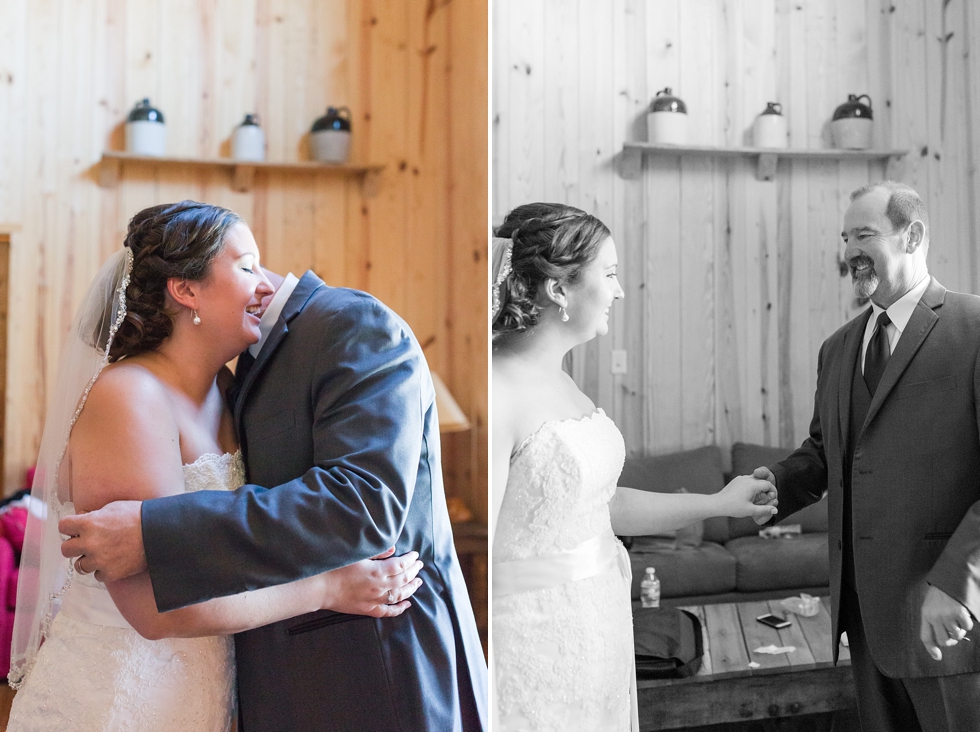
735 365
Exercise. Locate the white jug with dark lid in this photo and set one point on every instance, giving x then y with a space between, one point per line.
852 125
667 119
248 142
769 129
146 133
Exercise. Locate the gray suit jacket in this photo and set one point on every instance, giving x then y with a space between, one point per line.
915 497
337 412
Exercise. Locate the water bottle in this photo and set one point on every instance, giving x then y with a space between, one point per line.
650 589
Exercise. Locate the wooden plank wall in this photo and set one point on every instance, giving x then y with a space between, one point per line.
413 72
731 283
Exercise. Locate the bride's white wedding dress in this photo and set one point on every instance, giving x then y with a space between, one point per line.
94 673
562 620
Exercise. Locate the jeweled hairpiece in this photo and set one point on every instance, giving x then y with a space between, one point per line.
503 250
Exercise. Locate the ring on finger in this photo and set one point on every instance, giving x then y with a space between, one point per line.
78 565
391 598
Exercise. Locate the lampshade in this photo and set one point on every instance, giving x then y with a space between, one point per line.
451 417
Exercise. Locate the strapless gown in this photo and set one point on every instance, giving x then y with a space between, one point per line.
94 673
563 654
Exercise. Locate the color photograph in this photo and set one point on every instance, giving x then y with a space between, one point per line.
243 301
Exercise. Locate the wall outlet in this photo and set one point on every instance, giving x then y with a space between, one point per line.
618 362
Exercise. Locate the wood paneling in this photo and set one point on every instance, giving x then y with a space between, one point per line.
731 283
413 73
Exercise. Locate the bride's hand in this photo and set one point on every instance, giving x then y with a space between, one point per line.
749 496
378 587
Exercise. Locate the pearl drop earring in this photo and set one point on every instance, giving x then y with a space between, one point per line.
564 314
197 318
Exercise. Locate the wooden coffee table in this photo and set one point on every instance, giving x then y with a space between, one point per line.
727 689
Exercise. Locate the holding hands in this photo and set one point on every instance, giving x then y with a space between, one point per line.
750 495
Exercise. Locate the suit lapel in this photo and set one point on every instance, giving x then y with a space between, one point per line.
923 319
845 378
304 289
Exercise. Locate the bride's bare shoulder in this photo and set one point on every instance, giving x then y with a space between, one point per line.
125 443
128 382
126 396
505 381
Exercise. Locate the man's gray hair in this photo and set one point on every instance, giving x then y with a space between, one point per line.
904 205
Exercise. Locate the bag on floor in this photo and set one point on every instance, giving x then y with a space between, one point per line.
667 643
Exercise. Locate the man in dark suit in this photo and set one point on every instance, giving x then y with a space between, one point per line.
895 443
335 408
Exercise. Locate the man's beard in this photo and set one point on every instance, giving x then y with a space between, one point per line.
865 283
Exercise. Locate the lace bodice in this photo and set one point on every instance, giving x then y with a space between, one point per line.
559 486
214 472
563 654
95 673
209 472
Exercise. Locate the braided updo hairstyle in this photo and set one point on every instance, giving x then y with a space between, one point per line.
172 240
551 241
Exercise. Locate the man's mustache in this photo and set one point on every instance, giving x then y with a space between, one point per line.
860 260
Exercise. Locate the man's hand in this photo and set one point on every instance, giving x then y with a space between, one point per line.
765 473
747 496
379 587
108 542
945 622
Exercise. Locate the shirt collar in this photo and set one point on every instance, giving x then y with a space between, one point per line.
901 310
271 314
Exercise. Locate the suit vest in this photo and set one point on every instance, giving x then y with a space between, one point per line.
860 404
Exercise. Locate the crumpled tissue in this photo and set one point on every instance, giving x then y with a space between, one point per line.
805 605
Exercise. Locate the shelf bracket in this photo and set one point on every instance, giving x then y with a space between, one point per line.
242 177
631 164
109 172
766 166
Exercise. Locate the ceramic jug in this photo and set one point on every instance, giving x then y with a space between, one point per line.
667 119
769 129
852 124
330 136
146 133
248 142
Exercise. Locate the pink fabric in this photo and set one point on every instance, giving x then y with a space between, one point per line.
12 524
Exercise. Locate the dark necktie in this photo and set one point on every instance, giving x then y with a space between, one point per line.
877 355
245 362
244 365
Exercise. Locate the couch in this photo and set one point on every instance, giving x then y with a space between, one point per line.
723 559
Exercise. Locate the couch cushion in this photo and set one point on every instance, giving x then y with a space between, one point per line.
707 569
745 459
698 470
769 564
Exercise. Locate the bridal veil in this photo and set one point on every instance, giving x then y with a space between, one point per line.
44 573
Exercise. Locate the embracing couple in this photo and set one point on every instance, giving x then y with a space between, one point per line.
894 444
267 505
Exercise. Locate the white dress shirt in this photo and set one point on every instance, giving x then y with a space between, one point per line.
271 314
899 312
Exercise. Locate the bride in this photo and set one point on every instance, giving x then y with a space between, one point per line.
562 622
140 409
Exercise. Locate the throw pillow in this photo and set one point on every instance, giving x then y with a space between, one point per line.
745 459
689 537
698 470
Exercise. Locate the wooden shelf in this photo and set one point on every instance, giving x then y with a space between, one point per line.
242 172
766 159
